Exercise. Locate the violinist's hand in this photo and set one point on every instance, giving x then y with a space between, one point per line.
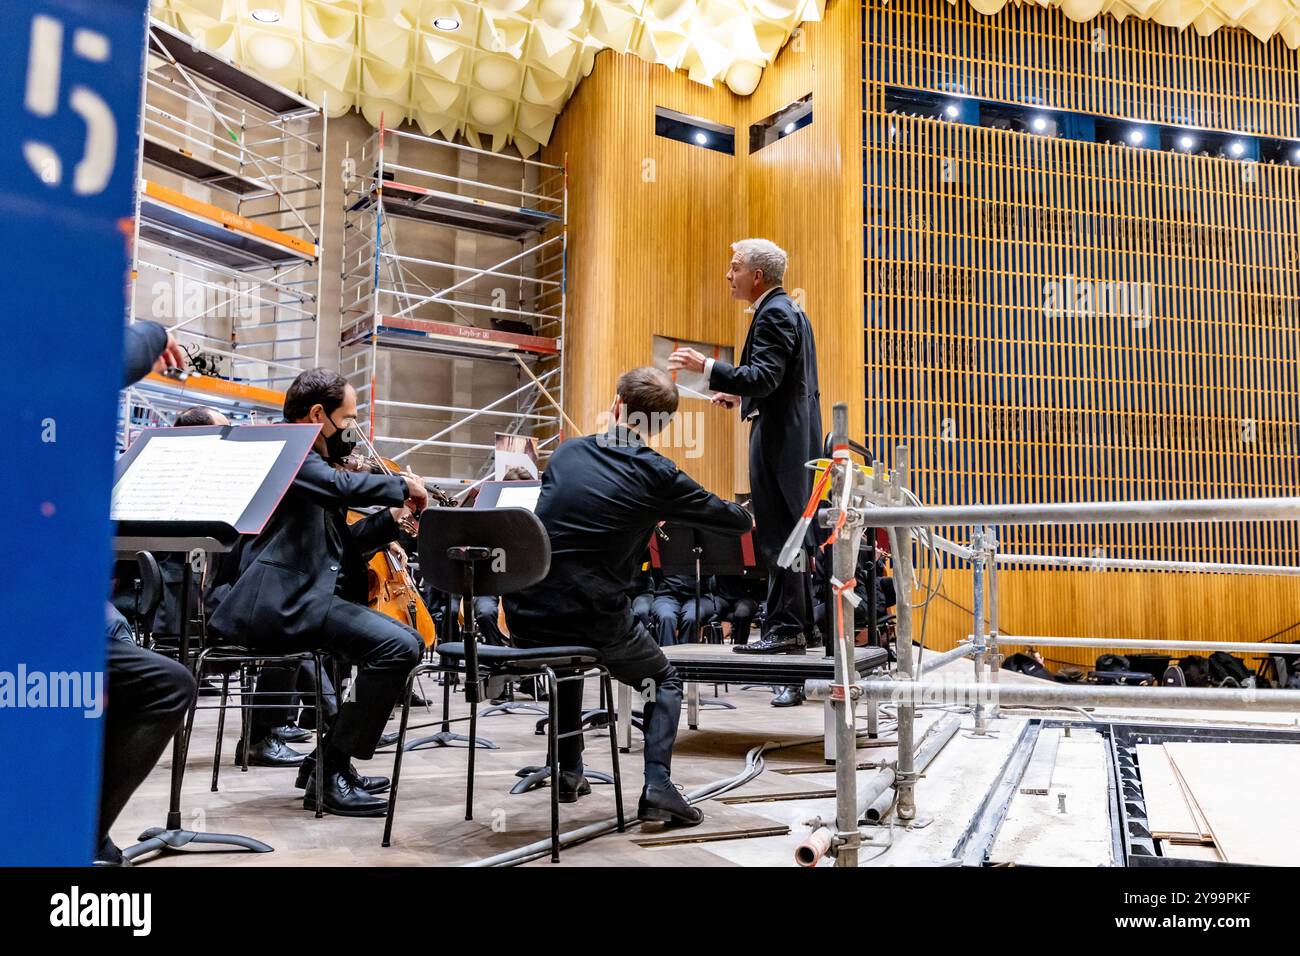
417 495
172 357
398 552
686 358
725 399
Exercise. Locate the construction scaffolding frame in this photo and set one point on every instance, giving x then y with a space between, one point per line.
398 298
229 207
881 498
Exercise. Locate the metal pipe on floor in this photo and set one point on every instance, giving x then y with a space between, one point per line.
1124 643
933 742
937 693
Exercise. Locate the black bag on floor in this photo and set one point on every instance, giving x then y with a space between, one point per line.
1196 670
1024 664
1226 669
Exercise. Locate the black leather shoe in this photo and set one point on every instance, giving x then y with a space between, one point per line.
794 644
667 806
270 751
387 740
788 696
344 799
573 786
108 853
368 784
292 734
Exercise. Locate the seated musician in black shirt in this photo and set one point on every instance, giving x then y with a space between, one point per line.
301 585
602 496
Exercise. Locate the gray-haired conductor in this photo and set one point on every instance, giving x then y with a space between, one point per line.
775 385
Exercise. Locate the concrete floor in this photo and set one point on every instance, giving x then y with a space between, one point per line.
430 828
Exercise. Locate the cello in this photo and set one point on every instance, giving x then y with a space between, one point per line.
391 589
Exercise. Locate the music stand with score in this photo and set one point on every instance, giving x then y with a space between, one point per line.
199 490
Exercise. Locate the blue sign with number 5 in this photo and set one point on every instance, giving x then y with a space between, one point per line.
70 83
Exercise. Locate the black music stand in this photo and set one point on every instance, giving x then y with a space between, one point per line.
684 549
167 533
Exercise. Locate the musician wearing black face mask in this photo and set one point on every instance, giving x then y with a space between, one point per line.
301 585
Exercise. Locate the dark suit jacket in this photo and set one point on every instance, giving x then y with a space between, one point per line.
284 579
144 342
601 498
777 378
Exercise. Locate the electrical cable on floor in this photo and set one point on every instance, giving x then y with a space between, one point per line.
754 766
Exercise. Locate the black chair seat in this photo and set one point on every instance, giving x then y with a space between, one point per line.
493 655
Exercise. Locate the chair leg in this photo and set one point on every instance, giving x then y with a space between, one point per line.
245 701
221 728
607 692
469 781
553 754
320 737
194 706
397 761
446 705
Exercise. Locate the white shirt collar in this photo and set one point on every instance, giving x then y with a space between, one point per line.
760 300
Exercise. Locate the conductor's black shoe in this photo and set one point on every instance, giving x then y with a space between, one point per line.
343 798
374 784
292 734
794 644
788 696
270 751
573 786
668 806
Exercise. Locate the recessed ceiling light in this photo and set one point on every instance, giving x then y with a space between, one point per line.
789 128
1039 124
1186 142
264 15
701 138
446 24
953 110
1237 147
1136 136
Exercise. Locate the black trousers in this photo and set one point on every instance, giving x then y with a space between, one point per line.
711 609
780 486
291 685
384 652
741 615
148 698
665 610
637 661
641 605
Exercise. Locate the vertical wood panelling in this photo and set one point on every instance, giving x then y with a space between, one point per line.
1183 386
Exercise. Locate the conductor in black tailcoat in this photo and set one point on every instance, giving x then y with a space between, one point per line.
775 385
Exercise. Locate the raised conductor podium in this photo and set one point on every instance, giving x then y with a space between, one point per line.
199 490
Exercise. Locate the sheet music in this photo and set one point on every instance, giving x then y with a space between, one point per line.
522 497
193 478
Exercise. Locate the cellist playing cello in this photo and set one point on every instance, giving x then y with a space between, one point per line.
301 585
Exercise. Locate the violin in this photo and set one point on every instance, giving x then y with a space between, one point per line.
391 589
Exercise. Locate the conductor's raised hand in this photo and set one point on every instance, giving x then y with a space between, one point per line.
686 358
172 356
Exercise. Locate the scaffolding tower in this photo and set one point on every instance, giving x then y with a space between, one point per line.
227 244
417 232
